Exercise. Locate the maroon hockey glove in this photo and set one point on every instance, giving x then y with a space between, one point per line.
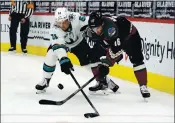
111 58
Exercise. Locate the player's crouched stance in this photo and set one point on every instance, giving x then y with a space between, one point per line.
67 35
57 51
119 35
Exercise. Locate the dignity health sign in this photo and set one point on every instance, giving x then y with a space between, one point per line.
158 47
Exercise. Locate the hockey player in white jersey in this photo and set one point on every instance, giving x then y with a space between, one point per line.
67 35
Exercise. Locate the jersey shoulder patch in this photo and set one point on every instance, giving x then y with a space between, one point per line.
82 18
111 31
110 28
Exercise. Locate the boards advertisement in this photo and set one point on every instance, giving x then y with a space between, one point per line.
157 46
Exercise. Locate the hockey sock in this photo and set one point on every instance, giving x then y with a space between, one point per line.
96 72
48 70
141 74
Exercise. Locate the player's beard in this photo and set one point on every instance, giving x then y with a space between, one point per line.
64 25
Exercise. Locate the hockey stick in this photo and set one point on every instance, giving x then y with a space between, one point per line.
51 102
87 115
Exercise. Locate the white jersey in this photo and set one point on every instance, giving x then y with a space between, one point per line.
73 36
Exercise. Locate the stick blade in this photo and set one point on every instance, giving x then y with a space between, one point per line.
47 102
50 102
91 115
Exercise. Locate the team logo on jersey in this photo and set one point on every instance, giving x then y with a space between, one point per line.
71 16
111 31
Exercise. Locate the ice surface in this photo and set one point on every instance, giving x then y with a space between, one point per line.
19 102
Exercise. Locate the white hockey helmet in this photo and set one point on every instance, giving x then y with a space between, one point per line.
61 14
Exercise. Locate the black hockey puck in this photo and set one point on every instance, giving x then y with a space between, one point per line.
60 86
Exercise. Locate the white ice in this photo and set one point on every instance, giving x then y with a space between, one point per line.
19 102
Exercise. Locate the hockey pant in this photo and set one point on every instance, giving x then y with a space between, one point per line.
89 56
54 53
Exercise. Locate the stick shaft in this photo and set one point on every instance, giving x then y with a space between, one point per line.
81 89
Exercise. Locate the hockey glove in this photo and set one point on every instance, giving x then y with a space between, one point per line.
110 58
66 65
103 71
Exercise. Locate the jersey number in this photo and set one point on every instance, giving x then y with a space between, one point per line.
54 36
117 42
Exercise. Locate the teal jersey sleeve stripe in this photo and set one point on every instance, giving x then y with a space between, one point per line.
63 61
55 47
48 69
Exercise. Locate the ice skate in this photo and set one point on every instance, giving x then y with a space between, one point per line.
112 86
12 50
41 87
24 51
145 93
100 88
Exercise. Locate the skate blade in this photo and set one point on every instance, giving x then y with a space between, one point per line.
145 100
12 52
100 92
24 54
146 97
117 92
40 91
